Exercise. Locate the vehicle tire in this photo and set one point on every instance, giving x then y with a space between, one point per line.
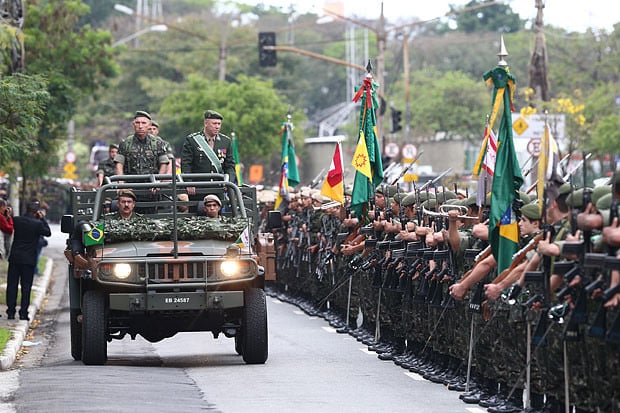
94 329
254 336
239 344
76 336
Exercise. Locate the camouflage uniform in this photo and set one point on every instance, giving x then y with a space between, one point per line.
141 157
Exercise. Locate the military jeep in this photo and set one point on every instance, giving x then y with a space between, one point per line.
166 271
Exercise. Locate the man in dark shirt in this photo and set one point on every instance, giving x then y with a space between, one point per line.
23 258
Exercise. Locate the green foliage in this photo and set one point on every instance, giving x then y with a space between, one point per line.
450 102
251 108
498 18
23 103
5 336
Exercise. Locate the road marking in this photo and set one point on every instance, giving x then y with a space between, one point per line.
275 300
414 376
329 329
475 410
365 350
298 312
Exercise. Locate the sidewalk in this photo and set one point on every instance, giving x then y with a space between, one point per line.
19 327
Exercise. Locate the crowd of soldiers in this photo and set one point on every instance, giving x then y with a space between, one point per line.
416 281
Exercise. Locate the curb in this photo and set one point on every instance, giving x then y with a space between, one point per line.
19 327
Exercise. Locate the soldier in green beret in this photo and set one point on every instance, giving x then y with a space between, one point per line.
142 153
208 151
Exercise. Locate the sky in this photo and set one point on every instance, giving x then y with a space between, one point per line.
572 15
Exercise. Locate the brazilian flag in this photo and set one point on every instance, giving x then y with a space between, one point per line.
94 236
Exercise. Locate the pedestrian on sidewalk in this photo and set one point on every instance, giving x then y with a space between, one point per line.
23 258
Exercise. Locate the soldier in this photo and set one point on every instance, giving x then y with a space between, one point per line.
107 166
213 205
208 151
154 130
142 153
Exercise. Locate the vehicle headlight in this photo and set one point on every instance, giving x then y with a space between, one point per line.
229 268
122 271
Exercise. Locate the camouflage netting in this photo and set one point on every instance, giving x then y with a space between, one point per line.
188 228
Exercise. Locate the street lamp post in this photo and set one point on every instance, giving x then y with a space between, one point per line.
154 28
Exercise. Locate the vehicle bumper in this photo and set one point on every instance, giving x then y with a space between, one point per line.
216 300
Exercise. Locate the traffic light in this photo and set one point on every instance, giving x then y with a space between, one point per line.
266 57
396 119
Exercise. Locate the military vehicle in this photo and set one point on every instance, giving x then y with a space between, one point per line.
166 271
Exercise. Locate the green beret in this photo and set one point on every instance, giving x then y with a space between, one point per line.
471 201
426 195
127 193
598 192
575 199
564 189
604 202
155 123
398 198
444 196
531 211
430 204
524 197
142 114
409 200
211 114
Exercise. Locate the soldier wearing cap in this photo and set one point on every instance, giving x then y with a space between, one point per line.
106 167
126 206
212 205
208 151
142 153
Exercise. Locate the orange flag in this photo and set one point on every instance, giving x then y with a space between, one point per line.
333 186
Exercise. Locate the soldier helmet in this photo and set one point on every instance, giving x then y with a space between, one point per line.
575 199
128 193
213 198
599 191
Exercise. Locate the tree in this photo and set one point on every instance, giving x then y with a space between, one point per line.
252 109
498 18
75 61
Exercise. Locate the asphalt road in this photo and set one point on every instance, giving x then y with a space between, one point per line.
310 368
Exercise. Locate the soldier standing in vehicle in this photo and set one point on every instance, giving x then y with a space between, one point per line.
208 151
142 153
107 166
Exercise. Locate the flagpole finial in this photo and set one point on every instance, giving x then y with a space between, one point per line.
289 115
502 52
369 67
232 134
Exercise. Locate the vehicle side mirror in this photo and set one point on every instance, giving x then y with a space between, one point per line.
274 220
66 224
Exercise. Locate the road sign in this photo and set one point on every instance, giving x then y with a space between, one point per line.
520 125
70 157
410 151
391 150
533 147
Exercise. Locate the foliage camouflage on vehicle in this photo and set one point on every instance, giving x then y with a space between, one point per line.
188 228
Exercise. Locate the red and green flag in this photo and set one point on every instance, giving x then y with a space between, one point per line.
367 157
507 178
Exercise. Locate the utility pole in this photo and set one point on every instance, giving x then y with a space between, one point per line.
538 62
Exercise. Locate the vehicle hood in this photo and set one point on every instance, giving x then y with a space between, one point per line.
139 249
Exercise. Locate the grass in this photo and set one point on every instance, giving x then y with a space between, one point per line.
5 335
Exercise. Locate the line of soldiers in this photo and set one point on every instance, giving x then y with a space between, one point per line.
418 284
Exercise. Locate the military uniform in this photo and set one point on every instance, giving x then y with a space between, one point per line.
194 159
142 156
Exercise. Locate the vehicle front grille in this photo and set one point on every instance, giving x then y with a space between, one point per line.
177 271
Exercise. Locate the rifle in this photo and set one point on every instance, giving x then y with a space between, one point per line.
404 171
317 179
436 179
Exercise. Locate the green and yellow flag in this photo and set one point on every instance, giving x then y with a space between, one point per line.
507 179
235 149
94 236
367 157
